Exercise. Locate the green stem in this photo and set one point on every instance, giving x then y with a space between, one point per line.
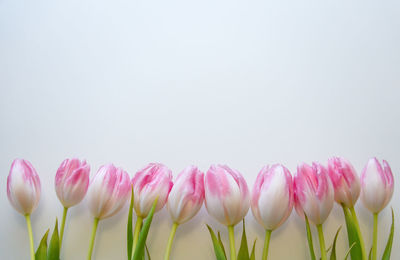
170 240
138 225
30 233
232 242
266 244
64 217
355 219
321 242
375 236
94 229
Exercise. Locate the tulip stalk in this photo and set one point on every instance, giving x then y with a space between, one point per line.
321 242
94 229
377 189
184 200
355 219
30 233
64 217
110 186
266 244
232 242
272 192
170 240
375 237
136 232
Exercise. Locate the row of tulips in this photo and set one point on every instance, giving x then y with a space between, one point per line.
312 191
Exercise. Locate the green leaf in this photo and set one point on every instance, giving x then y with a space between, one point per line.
348 251
129 231
253 254
139 250
333 253
243 249
219 252
309 238
54 247
221 243
370 254
147 252
388 248
352 235
41 252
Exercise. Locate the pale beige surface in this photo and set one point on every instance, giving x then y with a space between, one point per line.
194 82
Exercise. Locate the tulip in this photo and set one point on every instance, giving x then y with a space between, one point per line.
155 180
187 195
376 191
185 199
346 184
377 185
272 196
345 180
108 192
71 183
150 183
23 187
314 196
227 198
23 191
272 199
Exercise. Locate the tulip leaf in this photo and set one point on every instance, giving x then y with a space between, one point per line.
333 253
348 251
140 247
309 238
243 253
53 252
147 252
388 248
253 254
41 252
219 252
352 235
129 232
221 243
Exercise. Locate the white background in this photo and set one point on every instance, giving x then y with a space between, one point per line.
183 82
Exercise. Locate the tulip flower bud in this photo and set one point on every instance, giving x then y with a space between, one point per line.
187 195
227 196
376 185
72 181
272 196
313 191
23 186
108 191
155 180
345 180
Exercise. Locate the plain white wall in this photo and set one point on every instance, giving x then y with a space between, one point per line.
182 82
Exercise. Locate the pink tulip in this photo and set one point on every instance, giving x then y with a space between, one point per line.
72 181
313 191
345 180
155 180
272 196
376 185
187 195
227 196
108 191
23 187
